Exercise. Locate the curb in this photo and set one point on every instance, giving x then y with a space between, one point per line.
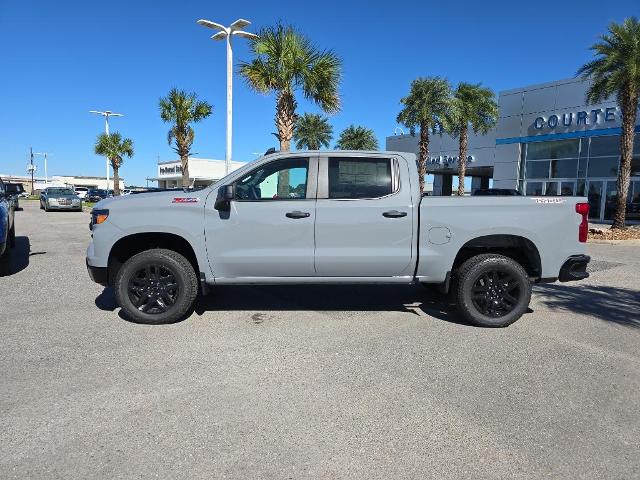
634 242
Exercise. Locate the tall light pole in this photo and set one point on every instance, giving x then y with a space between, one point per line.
44 154
106 114
226 33
31 168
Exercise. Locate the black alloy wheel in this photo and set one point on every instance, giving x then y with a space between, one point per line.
153 288
496 293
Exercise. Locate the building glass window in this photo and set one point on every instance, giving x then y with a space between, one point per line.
553 149
603 167
564 168
534 188
566 189
582 167
604 146
538 169
552 189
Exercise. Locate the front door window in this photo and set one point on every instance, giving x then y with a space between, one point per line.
278 180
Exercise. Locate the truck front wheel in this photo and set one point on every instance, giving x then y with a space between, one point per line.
156 286
492 290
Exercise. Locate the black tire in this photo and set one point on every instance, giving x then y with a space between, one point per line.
160 281
492 290
12 236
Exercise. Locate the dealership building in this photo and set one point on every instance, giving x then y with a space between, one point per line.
548 141
202 172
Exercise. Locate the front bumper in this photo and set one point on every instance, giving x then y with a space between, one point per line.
575 268
98 274
55 206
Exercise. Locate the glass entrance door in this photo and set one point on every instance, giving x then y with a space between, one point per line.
595 199
610 200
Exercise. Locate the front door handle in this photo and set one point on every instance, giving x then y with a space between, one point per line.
297 214
394 214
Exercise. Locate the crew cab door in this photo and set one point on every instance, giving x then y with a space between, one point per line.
364 217
269 228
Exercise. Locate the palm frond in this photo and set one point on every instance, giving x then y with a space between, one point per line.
357 138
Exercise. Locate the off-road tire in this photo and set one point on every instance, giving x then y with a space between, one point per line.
471 276
185 278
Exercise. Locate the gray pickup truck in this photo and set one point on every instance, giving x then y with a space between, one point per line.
333 217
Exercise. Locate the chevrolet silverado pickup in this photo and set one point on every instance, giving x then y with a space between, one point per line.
339 217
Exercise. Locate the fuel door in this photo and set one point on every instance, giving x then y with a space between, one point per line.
439 235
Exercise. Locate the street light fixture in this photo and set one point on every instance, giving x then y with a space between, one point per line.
226 33
44 154
106 114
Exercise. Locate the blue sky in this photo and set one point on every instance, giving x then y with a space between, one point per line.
63 58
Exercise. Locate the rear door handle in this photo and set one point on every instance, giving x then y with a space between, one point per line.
394 214
297 214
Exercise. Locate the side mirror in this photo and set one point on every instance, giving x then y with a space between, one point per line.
226 193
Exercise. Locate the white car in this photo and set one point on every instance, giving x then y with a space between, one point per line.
81 192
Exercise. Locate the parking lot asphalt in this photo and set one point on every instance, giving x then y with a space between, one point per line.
312 382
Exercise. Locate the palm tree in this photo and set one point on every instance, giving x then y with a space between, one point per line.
312 131
181 109
357 138
286 61
425 108
114 148
471 105
616 70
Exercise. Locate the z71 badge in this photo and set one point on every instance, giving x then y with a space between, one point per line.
185 200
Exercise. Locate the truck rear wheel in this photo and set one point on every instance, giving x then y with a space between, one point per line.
492 290
156 286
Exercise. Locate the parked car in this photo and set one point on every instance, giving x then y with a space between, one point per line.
334 217
81 192
59 198
14 190
501 192
7 229
95 195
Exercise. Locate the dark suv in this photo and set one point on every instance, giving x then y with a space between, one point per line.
13 192
94 195
7 229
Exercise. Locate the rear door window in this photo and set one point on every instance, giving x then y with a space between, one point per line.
352 178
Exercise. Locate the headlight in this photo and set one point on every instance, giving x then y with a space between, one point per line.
75 201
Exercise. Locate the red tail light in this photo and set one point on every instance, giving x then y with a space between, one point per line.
583 229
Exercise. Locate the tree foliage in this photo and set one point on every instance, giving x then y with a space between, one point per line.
312 131
181 109
357 138
115 148
285 61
